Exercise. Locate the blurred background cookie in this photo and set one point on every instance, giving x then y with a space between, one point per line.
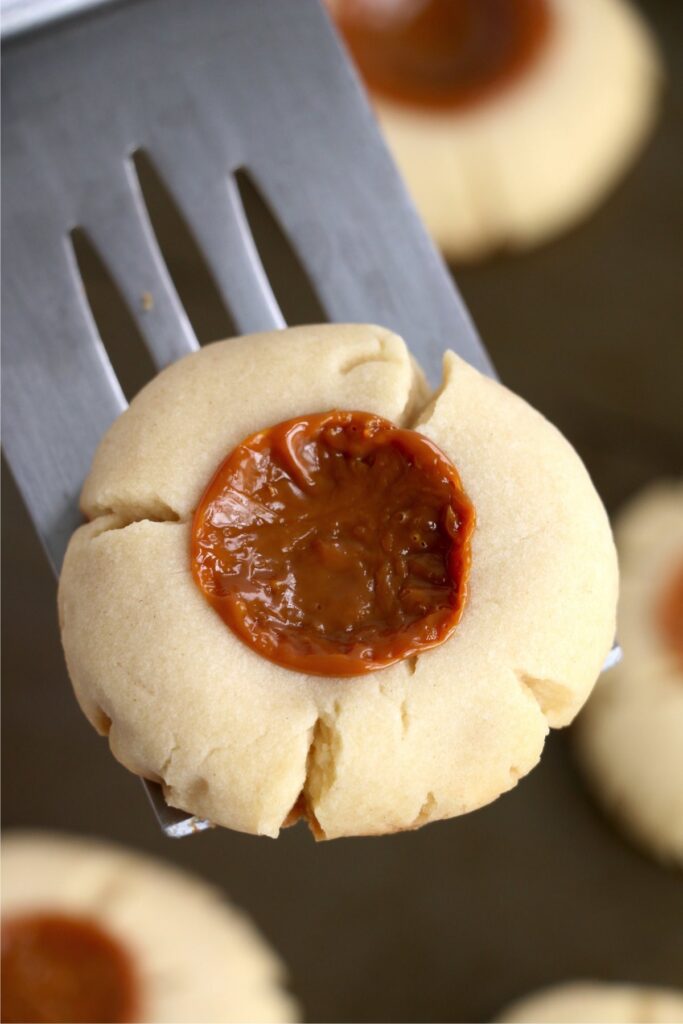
510 119
596 1003
92 932
630 737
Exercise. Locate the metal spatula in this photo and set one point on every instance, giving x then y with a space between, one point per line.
204 89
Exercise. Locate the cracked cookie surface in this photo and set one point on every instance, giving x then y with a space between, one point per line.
252 745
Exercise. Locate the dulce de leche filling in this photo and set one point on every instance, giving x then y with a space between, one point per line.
669 613
57 968
335 543
442 53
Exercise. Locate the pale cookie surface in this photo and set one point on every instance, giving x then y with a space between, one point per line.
530 161
585 1002
196 957
630 738
241 740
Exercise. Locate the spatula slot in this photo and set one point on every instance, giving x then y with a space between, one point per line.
183 257
291 285
116 326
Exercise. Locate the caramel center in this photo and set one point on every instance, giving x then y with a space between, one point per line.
58 968
335 544
670 613
442 53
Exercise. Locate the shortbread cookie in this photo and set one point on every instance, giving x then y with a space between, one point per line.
251 743
93 932
630 738
598 1003
511 122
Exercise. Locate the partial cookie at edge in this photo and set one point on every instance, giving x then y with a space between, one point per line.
198 957
585 1002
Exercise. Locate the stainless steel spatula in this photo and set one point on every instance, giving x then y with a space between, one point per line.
204 89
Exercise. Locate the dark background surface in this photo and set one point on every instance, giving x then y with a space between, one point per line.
448 923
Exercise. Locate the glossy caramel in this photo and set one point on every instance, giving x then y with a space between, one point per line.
61 968
443 54
335 543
